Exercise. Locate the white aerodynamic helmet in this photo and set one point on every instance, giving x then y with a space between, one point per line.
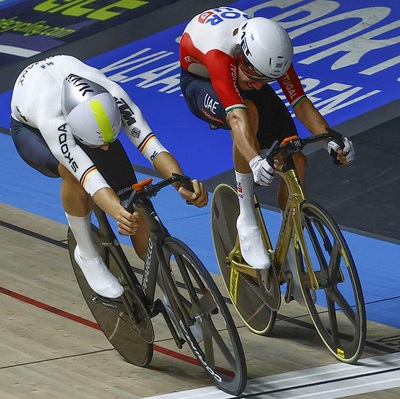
264 49
91 111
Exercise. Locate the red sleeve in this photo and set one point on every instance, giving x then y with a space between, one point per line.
291 86
223 74
221 69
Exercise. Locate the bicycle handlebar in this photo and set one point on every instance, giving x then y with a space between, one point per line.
294 144
145 189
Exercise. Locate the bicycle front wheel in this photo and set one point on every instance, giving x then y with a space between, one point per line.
203 317
337 309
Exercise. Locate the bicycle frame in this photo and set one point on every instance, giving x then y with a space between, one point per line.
155 262
291 223
290 226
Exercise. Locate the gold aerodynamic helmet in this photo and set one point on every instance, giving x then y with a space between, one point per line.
264 49
90 110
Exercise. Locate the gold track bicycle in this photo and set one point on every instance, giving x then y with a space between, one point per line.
326 275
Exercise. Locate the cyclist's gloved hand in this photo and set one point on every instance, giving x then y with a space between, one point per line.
342 152
263 172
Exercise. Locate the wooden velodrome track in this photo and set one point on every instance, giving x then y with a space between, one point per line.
51 348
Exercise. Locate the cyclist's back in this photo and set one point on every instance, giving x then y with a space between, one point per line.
207 49
36 96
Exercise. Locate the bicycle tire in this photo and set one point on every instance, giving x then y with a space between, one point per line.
245 294
191 291
338 313
112 317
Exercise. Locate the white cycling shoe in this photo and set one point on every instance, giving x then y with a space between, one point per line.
290 267
251 244
100 279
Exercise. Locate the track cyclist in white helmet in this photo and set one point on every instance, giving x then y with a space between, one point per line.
65 120
227 61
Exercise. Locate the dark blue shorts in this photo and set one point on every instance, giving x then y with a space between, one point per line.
113 164
275 121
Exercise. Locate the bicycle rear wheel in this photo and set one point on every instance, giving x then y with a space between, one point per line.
338 312
203 316
244 292
131 337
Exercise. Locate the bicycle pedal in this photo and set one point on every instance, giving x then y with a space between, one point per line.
109 302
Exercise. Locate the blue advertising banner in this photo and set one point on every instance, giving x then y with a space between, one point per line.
346 53
30 27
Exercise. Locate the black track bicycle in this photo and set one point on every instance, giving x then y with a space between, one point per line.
174 283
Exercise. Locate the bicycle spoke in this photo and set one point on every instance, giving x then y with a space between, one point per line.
186 278
339 315
315 242
207 325
334 329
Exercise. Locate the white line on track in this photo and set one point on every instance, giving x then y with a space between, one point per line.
334 381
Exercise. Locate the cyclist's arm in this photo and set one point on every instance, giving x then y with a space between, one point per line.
303 108
143 138
135 125
166 164
62 144
108 201
310 117
243 138
222 68
315 123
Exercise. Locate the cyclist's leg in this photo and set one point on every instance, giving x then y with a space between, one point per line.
275 123
76 203
32 148
34 151
250 238
198 92
251 244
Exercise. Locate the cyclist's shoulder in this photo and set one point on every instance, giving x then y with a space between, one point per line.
214 28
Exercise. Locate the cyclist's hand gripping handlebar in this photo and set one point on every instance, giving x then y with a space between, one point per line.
262 167
185 182
339 142
145 189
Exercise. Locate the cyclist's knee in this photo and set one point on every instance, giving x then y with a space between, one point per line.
70 183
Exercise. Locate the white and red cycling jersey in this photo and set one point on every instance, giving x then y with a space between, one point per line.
207 47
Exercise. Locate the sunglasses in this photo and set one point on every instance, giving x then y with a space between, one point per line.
251 72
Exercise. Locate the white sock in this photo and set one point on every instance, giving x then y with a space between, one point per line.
81 228
251 244
245 190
